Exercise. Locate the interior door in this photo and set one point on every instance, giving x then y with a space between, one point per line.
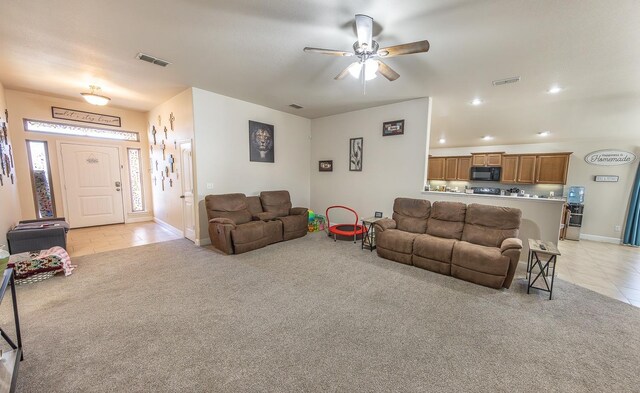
188 204
92 185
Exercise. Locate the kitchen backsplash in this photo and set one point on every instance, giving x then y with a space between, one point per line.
541 190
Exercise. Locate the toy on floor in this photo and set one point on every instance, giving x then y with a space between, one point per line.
355 230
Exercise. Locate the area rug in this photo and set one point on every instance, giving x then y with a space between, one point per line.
312 315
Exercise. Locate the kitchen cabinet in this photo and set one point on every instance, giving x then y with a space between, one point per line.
486 159
552 169
436 167
509 169
526 169
464 167
451 168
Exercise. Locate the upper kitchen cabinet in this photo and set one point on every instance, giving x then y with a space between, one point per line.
486 159
552 168
436 170
464 168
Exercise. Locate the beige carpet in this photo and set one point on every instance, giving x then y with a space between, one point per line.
311 315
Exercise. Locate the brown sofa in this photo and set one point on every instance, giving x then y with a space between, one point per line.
238 223
475 242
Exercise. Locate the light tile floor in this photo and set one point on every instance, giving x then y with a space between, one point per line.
83 241
610 269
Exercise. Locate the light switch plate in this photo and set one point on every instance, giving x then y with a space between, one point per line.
209 186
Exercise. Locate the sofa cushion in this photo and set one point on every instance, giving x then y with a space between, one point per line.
488 262
278 202
254 205
432 247
411 215
273 231
249 232
396 240
294 223
447 219
231 206
490 225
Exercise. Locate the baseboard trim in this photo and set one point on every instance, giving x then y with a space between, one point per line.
203 242
130 220
168 227
602 239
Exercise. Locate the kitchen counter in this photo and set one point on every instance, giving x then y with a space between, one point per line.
463 194
541 217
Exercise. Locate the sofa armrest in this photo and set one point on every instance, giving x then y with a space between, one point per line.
295 211
384 224
511 243
223 221
264 216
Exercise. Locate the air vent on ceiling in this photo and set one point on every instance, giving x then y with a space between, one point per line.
295 106
152 60
506 81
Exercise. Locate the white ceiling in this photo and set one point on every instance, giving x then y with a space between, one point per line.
252 50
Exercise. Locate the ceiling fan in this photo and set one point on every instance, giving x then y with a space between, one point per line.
368 53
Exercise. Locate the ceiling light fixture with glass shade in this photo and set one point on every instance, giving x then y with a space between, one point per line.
95 99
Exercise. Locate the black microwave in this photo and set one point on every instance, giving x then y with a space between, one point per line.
485 173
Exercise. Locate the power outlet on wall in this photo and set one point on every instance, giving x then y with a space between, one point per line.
209 186
617 228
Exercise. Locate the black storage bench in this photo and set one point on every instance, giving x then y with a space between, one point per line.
34 235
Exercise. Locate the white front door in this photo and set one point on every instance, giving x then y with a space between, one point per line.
188 206
92 185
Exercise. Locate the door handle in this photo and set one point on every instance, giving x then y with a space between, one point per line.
181 196
118 184
117 189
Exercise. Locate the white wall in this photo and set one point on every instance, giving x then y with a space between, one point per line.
38 107
9 199
167 205
606 204
393 166
222 156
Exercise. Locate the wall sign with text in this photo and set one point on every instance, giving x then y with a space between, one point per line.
85 117
610 157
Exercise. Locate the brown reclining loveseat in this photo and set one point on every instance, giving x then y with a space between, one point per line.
475 242
238 223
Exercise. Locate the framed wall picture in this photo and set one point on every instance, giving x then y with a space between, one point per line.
355 154
395 127
261 142
325 166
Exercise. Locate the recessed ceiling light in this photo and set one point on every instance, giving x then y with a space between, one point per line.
487 138
544 133
442 140
476 102
554 90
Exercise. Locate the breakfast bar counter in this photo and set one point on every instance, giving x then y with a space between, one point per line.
541 217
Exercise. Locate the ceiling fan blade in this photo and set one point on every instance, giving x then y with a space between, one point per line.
404 49
345 72
329 52
387 71
364 28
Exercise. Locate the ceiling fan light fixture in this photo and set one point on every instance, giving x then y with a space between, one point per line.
95 99
370 69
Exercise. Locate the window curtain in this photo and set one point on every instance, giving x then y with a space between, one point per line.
632 229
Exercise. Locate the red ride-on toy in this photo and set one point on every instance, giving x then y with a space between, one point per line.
345 231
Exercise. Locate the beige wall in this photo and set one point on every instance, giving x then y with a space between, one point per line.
393 166
167 205
606 204
38 107
9 199
222 157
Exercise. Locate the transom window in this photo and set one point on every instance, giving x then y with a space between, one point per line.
70 129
